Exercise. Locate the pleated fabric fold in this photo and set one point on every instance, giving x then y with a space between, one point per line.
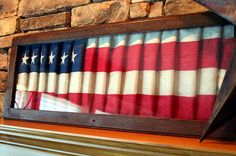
167 74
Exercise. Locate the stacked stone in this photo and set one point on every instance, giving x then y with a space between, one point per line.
18 17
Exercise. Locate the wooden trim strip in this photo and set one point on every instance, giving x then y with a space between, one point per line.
75 144
160 23
190 128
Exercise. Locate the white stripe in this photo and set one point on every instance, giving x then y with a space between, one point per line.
121 43
152 37
169 36
221 76
207 81
101 82
115 82
21 99
185 83
105 45
104 41
22 82
52 82
75 82
131 82
135 39
33 81
139 41
51 103
92 43
88 82
17 99
63 83
211 32
154 40
148 82
188 35
43 77
228 31
166 82
119 40
101 112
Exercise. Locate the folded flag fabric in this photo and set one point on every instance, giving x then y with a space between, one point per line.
168 74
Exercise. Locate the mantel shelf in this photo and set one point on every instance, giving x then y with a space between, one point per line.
76 140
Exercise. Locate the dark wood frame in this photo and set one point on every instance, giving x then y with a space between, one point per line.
136 124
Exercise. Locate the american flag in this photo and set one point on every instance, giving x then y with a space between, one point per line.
170 74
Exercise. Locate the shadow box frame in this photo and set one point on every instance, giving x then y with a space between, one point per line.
189 128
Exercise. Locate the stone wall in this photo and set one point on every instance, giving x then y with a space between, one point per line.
18 17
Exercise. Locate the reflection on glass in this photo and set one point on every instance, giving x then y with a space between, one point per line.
170 74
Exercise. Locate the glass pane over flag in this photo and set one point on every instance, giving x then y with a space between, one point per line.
168 74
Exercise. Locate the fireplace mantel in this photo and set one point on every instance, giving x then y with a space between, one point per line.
66 140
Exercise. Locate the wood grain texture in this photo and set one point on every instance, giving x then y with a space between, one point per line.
100 144
11 82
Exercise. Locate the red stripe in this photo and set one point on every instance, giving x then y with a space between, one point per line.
209 53
133 57
129 105
167 57
102 59
113 104
98 102
63 96
75 98
90 60
179 107
117 58
31 103
204 107
87 100
228 48
184 107
38 101
147 106
150 54
187 57
165 106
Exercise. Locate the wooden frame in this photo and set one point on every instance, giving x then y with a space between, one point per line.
137 124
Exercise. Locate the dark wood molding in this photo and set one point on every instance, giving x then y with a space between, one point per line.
137 124
11 81
161 23
190 128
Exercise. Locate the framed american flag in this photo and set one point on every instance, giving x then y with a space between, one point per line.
157 76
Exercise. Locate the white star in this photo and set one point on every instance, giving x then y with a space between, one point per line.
63 58
51 57
73 57
24 59
33 58
41 58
